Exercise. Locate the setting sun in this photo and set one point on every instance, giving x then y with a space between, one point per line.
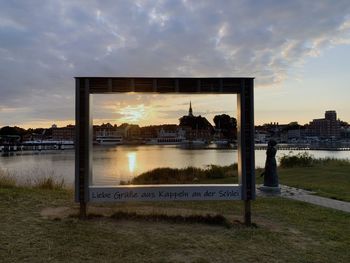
134 113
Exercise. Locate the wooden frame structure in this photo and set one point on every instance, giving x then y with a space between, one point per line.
243 87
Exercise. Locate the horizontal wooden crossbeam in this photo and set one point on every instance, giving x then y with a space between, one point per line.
165 85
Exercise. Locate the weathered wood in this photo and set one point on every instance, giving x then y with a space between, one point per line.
247 213
83 144
165 85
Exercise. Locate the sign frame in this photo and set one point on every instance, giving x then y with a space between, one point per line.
242 87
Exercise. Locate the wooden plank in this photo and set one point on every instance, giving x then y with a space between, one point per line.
165 85
178 192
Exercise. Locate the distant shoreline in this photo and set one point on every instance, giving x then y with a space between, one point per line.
38 146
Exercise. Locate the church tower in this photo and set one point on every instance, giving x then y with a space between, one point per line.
190 113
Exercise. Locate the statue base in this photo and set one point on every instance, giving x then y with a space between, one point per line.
270 189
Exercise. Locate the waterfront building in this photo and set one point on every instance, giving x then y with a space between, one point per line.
131 132
272 130
296 134
64 134
107 134
345 133
105 130
168 134
176 132
325 128
261 136
149 132
9 139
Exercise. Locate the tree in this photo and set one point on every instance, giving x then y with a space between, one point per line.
344 124
294 125
7 130
227 125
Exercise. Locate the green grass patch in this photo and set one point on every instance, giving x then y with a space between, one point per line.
287 231
327 177
332 181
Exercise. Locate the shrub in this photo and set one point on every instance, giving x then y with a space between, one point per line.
307 160
215 171
184 175
299 160
168 176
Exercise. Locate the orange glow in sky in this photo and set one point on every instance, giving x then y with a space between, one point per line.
133 114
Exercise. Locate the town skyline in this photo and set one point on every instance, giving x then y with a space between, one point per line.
176 122
190 127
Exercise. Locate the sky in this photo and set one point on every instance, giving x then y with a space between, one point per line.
298 52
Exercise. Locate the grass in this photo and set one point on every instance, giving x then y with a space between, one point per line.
286 231
185 175
332 181
327 177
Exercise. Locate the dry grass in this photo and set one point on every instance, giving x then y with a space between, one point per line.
48 181
6 179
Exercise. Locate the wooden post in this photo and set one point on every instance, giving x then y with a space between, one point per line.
247 213
245 140
83 147
82 210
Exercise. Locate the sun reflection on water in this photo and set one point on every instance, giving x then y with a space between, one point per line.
132 161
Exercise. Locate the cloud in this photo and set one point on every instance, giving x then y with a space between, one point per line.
43 44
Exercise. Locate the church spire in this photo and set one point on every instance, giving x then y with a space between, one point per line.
190 113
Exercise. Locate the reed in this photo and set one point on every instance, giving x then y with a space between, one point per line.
7 180
49 183
34 179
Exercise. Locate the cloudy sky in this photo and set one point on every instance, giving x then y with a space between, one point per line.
298 51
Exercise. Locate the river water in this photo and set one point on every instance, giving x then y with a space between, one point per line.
112 164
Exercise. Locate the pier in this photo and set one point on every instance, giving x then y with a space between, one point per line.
37 146
62 145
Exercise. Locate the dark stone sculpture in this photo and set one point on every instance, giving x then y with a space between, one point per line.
270 172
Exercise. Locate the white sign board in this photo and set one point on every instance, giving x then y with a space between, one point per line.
177 192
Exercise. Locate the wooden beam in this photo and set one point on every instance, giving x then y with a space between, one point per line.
165 85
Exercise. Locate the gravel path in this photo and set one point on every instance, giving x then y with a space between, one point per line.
309 197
